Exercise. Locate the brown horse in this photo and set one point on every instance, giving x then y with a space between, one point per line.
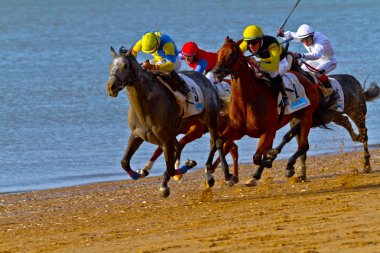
253 109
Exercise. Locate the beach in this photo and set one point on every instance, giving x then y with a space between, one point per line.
336 210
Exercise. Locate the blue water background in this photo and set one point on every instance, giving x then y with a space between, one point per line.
58 126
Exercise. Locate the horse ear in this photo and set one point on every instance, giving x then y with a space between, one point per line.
227 39
123 50
113 53
129 51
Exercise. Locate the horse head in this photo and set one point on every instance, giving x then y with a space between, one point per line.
228 56
121 74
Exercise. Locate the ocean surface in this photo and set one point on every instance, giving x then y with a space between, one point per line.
58 126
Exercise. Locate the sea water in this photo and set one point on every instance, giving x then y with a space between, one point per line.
58 126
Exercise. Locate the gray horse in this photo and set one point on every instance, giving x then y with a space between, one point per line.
154 115
355 108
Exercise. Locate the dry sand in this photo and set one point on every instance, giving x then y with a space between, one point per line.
337 210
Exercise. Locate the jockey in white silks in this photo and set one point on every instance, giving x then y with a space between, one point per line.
320 53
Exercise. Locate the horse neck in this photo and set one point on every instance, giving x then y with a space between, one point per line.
139 91
244 83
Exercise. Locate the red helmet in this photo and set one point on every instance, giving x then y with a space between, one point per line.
190 49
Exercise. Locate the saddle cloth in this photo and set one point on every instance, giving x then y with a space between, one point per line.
194 103
296 94
338 89
223 89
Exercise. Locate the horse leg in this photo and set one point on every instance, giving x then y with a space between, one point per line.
256 177
263 146
343 121
362 137
232 148
228 177
209 178
169 150
234 152
295 128
134 143
367 156
303 146
359 120
265 143
148 166
195 132
303 175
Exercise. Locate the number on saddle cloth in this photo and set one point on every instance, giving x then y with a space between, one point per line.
296 94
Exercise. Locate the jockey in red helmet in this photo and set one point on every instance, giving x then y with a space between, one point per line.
198 59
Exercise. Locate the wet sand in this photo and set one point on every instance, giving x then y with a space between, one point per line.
336 210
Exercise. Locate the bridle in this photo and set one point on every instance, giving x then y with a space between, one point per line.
233 64
122 84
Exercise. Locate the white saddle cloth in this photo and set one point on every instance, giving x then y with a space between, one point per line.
338 89
296 94
195 100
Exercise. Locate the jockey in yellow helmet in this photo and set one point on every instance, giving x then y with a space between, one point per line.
269 51
165 54
162 48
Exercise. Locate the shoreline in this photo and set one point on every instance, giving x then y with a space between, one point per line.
199 167
336 209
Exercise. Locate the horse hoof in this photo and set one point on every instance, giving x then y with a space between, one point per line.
289 173
266 163
251 182
231 181
143 173
272 153
134 175
165 191
190 164
177 177
210 181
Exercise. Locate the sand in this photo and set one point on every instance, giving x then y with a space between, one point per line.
337 210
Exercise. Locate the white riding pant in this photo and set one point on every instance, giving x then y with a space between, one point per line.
327 65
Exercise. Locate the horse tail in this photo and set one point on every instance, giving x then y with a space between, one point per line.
372 92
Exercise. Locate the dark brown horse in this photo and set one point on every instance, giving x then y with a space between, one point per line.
154 115
355 108
253 109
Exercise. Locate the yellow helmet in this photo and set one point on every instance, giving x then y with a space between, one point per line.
149 43
252 32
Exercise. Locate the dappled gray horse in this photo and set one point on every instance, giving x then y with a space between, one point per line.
355 108
154 115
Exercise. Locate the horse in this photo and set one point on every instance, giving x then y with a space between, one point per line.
253 109
154 115
355 109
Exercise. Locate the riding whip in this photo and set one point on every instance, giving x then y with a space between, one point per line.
286 20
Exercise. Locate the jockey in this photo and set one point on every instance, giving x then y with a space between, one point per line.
198 59
272 60
165 54
320 53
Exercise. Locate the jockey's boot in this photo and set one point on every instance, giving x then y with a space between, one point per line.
279 85
328 89
178 83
